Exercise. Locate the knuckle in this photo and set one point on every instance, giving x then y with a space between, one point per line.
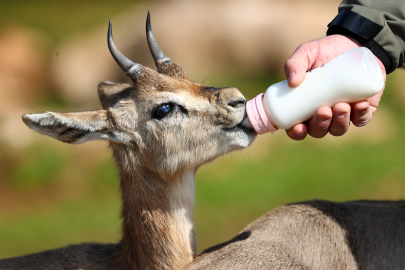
361 121
303 46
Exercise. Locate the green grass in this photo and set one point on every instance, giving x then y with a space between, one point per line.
84 220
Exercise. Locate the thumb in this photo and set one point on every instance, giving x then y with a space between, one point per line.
295 68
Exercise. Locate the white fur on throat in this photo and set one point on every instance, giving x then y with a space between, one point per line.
181 199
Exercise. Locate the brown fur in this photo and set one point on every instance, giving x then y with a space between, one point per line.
157 160
316 235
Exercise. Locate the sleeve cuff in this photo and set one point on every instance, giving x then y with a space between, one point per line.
351 24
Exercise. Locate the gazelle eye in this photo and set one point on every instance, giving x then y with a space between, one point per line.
162 111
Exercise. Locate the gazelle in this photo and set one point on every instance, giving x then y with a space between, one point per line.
161 130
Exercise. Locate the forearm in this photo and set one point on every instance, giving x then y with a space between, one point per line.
378 25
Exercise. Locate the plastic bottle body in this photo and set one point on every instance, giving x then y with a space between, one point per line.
353 76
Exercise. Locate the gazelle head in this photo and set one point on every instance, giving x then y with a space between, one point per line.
167 122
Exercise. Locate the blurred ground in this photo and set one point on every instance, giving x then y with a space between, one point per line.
52 56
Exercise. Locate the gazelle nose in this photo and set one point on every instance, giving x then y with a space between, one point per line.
237 103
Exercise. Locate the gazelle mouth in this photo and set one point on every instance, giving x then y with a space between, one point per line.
239 127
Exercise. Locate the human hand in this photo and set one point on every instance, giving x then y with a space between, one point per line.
334 120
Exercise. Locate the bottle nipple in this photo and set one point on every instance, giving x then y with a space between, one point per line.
256 116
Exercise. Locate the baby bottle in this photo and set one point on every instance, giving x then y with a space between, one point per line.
350 77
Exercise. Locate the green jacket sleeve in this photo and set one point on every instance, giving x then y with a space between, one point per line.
378 25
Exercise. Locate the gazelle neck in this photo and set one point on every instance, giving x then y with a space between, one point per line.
157 216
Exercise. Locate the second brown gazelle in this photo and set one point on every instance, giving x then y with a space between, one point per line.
161 130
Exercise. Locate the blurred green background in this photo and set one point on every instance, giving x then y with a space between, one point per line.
53 194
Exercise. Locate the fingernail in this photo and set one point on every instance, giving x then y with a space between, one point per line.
301 132
363 111
340 115
291 76
323 119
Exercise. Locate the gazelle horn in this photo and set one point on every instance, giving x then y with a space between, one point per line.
130 68
157 54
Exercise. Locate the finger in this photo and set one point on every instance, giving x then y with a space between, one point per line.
361 113
340 120
296 66
297 132
374 101
295 71
318 125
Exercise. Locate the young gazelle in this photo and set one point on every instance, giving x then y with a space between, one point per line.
161 130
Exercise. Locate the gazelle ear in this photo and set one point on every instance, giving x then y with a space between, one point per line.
76 127
109 93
